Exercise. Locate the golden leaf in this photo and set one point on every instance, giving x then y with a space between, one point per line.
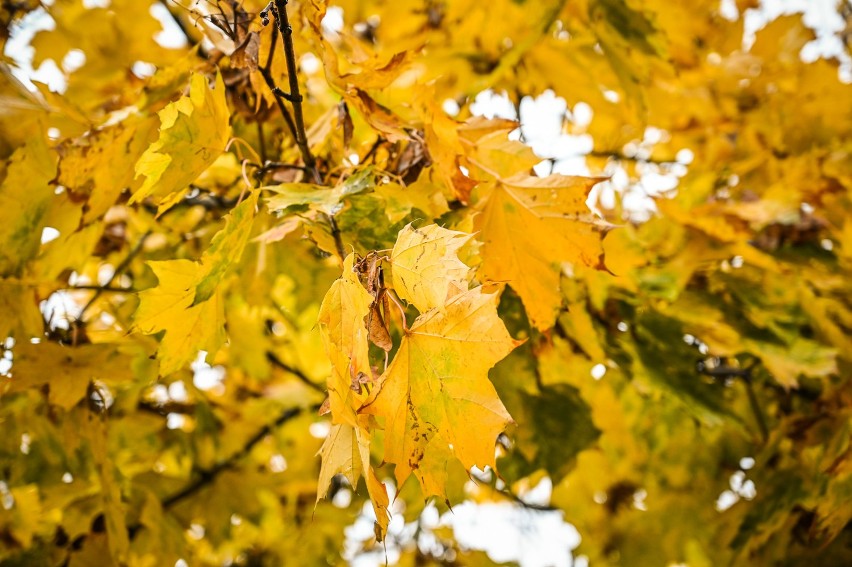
436 398
529 226
426 268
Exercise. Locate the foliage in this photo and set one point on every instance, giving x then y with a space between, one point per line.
396 289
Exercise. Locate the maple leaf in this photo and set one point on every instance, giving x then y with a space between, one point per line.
68 371
186 303
346 451
529 226
24 202
426 268
99 166
193 133
341 322
436 397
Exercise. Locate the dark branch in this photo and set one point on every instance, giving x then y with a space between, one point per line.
207 476
280 12
338 241
266 73
101 289
620 156
118 271
294 371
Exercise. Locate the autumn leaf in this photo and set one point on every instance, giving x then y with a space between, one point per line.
435 396
529 226
426 268
344 332
187 303
169 307
193 133
693 394
346 451
67 371
98 167
24 202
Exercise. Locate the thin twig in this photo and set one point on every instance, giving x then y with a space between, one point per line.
192 41
207 476
271 357
294 96
338 241
619 156
755 408
261 141
266 73
117 272
100 288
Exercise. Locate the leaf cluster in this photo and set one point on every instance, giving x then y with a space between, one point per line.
220 260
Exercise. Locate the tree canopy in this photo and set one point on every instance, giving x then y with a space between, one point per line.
285 274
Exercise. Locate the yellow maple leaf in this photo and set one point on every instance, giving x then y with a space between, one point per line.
529 226
426 268
346 451
169 307
344 334
98 166
187 303
193 133
436 398
66 370
25 196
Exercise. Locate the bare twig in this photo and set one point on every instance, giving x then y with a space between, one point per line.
271 357
266 73
207 476
117 272
100 288
620 156
338 241
279 10
190 38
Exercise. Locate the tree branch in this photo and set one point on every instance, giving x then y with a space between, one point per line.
271 357
619 156
279 10
207 476
338 241
117 272
266 73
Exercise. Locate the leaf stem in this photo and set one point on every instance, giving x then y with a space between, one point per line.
392 295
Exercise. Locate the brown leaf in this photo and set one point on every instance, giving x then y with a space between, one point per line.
245 55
